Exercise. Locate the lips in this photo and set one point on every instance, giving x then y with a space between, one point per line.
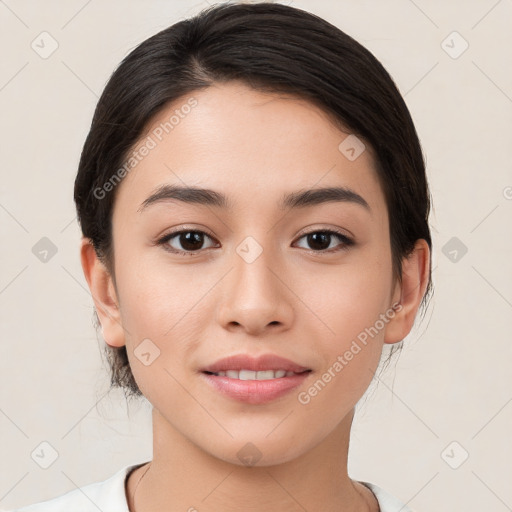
252 375
245 365
255 381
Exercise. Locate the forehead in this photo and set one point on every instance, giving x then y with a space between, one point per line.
252 146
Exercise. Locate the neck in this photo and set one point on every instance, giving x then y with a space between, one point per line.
183 477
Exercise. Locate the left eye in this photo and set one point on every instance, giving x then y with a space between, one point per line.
321 240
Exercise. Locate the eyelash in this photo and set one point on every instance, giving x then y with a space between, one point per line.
346 241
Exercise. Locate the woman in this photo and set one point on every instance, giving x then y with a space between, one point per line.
254 208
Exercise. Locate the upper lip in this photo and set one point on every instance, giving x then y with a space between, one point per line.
261 363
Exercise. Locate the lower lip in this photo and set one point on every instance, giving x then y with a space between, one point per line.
255 391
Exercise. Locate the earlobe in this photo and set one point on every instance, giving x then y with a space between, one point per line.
409 293
103 294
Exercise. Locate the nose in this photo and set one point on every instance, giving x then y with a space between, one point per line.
255 296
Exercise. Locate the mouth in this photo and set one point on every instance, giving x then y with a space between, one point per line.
255 375
255 380
254 368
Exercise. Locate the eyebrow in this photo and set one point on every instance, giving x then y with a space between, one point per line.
208 197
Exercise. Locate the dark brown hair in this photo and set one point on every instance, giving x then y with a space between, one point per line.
271 47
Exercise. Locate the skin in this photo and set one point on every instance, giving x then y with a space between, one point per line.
304 305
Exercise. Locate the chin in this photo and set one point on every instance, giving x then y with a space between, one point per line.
260 451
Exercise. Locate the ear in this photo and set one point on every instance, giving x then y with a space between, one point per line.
103 294
408 293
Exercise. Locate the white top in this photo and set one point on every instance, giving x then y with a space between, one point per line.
110 496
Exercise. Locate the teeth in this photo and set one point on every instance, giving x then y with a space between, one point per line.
247 375
253 375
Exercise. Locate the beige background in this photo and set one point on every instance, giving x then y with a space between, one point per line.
452 381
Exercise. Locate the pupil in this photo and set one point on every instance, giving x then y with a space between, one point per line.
322 239
191 240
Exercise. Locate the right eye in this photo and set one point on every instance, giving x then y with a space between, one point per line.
191 241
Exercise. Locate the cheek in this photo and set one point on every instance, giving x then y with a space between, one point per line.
159 325
350 299
154 298
161 314
350 303
351 347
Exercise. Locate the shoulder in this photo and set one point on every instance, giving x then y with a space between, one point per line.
108 496
387 502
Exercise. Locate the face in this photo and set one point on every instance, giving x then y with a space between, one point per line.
201 281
